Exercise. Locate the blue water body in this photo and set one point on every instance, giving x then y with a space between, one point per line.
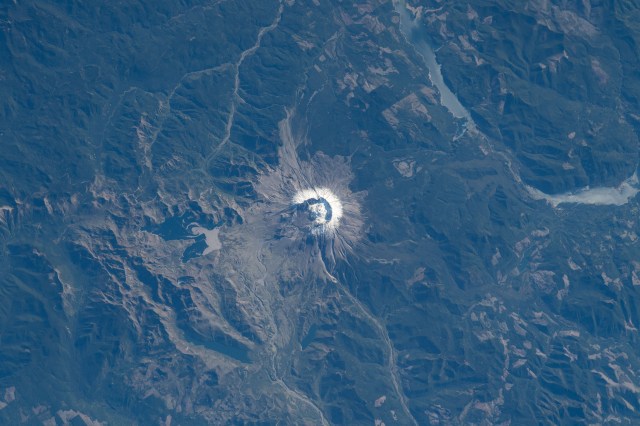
411 30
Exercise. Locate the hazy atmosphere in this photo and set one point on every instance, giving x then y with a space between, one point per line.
319 212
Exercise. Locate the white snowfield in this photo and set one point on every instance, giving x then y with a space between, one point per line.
321 224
